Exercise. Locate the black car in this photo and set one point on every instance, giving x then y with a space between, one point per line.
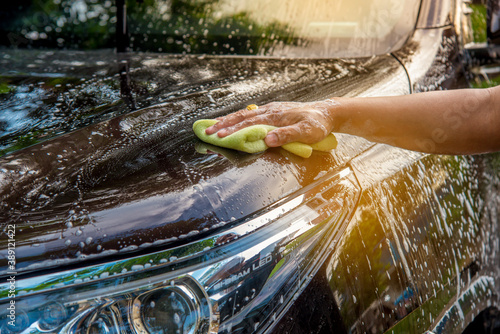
116 219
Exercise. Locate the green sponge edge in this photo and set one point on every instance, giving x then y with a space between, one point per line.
251 139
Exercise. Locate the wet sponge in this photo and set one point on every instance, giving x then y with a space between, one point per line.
251 139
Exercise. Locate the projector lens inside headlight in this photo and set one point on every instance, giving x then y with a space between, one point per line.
53 315
181 307
15 322
237 281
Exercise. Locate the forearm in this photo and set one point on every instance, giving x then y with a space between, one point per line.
450 122
464 121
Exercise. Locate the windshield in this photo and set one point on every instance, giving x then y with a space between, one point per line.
278 28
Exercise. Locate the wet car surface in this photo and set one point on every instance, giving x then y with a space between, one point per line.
123 148
125 221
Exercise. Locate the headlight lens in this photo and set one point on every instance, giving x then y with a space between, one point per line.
181 307
238 281
52 316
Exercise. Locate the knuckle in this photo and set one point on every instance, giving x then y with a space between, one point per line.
232 119
287 134
275 118
272 107
245 123
239 116
280 137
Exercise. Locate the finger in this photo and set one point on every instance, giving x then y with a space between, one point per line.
284 135
233 119
269 119
301 132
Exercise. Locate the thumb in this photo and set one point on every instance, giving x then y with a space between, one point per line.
272 140
281 136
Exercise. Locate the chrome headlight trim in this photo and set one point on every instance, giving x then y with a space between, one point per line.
208 246
219 264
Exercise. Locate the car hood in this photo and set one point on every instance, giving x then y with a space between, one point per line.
143 181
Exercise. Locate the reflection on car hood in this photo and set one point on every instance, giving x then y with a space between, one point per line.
143 181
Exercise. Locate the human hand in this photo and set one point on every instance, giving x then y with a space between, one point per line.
306 122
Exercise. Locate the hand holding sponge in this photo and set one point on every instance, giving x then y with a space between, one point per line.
251 139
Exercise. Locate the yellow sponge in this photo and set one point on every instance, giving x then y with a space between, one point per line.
251 139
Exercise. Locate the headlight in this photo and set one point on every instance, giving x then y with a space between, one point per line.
237 281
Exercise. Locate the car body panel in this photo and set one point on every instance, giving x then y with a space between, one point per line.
419 250
433 60
432 258
436 14
132 172
421 254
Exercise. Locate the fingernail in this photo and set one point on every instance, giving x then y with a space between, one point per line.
209 130
222 133
271 140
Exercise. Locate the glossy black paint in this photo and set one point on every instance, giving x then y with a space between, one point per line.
315 311
394 271
418 252
425 229
138 182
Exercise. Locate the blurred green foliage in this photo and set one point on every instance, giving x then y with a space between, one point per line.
63 24
485 83
195 27
21 142
5 88
177 26
478 20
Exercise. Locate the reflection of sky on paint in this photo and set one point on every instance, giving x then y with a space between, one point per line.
164 208
177 205
16 108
